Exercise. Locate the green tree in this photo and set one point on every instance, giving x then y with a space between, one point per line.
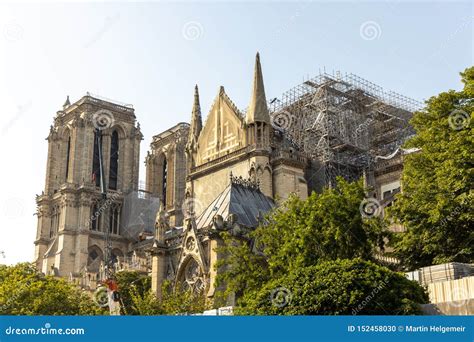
138 299
314 256
340 287
437 199
145 303
180 301
299 234
175 301
25 291
132 284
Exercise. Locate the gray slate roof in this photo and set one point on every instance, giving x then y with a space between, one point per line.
245 202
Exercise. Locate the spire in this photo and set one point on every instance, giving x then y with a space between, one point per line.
67 103
258 111
196 121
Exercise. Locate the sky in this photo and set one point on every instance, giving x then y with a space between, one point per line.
151 54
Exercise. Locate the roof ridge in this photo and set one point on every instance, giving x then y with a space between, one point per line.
232 104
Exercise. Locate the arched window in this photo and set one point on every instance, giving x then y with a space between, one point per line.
95 218
191 277
68 152
259 128
114 157
165 181
54 224
114 220
95 257
117 255
95 162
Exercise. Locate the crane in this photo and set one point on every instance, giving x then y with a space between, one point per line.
110 280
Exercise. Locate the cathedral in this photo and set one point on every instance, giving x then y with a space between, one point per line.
203 178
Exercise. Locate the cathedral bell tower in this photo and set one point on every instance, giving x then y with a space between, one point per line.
71 219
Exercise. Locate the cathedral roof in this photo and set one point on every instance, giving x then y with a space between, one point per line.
240 198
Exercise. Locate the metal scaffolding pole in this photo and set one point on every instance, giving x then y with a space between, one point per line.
341 122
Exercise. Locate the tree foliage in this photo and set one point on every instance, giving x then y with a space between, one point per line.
437 199
180 301
301 233
175 301
25 291
132 285
339 287
138 299
313 251
144 303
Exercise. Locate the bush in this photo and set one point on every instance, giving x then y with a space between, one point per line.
340 287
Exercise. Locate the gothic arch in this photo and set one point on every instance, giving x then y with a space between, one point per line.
191 275
95 256
95 160
114 160
118 252
117 255
123 145
55 217
118 127
95 220
64 132
66 153
268 168
114 218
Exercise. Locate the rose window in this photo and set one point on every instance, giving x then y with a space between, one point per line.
190 243
193 277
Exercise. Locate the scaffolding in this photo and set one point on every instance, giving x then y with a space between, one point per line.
341 123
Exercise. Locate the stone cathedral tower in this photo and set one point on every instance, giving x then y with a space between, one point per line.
71 219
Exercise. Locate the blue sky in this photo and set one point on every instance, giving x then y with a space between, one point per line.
151 55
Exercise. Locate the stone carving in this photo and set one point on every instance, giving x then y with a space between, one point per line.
190 243
161 224
249 183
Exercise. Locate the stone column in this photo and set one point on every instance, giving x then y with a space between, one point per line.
158 272
213 258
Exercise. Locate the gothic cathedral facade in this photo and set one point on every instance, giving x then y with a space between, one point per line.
220 175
